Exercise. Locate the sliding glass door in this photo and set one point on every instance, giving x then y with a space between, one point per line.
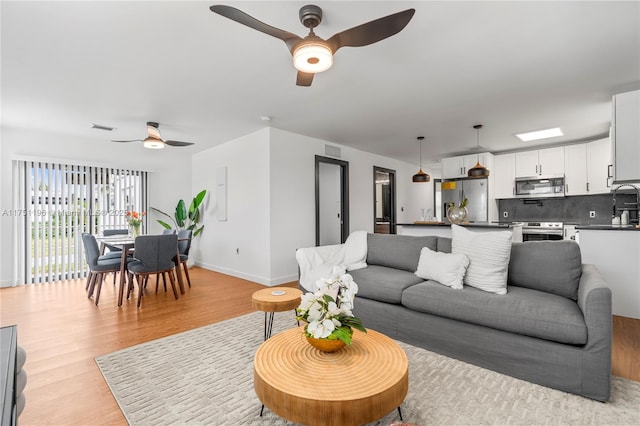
56 203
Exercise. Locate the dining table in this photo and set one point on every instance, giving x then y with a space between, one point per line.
127 244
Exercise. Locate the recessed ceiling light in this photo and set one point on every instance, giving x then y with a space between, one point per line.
540 134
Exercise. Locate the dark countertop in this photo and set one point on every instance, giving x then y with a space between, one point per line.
607 227
471 225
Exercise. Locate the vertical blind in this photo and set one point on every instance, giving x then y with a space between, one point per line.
57 203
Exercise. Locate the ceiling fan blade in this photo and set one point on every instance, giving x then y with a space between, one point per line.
178 143
132 140
304 78
242 18
372 31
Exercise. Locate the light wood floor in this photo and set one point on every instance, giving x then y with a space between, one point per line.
63 331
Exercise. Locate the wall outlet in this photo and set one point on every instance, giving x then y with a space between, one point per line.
592 214
505 214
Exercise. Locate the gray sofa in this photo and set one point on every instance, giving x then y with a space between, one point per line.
553 327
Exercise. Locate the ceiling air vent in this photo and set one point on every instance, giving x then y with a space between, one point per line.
333 151
100 127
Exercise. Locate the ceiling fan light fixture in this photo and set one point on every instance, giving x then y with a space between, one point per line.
313 57
153 143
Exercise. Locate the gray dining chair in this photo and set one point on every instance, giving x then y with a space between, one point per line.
111 233
98 265
184 245
154 254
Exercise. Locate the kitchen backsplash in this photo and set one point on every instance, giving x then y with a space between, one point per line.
568 209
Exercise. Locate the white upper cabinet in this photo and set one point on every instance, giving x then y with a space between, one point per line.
504 175
549 161
457 167
575 169
625 126
599 175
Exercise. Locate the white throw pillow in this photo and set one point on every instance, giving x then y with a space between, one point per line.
446 268
488 254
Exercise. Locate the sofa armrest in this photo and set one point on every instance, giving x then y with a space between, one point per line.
594 298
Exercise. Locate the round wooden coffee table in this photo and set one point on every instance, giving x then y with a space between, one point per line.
357 384
275 299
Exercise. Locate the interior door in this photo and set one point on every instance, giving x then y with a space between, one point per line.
332 201
384 200
330 204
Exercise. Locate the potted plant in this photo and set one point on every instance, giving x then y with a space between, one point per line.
328 312
185 218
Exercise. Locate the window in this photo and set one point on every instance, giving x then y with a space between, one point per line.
56 203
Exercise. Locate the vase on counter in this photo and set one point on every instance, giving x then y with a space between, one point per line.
134 229
457 215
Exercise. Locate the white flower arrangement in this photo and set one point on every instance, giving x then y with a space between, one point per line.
329 311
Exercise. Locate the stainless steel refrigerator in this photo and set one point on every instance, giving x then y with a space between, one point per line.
474 190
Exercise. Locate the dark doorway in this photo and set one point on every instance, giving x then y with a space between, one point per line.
332 201
384 200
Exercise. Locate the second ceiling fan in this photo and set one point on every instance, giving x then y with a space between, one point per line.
154 140
312 54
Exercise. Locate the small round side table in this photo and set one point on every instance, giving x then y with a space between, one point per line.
272 300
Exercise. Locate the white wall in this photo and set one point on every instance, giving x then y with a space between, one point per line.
169 177
238 246
293 195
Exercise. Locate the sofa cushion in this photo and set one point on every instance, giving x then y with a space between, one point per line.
382 283
445 268
444 244
397 251
488 254
551 266
522 310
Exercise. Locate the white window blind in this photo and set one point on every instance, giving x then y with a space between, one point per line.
56 203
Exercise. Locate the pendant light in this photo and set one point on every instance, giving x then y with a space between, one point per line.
478 171
421 177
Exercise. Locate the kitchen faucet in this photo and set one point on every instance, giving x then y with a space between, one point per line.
637 203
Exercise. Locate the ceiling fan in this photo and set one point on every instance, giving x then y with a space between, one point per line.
154 140
312 54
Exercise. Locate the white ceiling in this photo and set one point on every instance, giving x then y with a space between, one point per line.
512 66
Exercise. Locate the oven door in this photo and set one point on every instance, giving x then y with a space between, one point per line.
538 234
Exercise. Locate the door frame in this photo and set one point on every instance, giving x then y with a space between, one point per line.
392 188
344 196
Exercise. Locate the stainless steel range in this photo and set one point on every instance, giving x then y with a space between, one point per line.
542 231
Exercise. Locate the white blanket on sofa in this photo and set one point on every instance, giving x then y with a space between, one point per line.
317 262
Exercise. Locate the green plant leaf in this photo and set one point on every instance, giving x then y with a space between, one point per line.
343 333
165 214
164 224
181 213
195 205
198 231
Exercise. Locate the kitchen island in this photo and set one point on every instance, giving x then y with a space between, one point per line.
441 229
615 251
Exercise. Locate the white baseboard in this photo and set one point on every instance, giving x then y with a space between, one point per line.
249 277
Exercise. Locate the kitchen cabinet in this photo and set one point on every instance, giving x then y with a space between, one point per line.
504 175
625 133
575 169
548 161
587 167
615 253
599 166
456 167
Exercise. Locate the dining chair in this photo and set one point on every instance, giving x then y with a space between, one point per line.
98 265
154 254
164 281
184 245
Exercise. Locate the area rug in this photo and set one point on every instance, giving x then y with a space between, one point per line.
205 377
